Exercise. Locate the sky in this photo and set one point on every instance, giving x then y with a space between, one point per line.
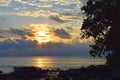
42 28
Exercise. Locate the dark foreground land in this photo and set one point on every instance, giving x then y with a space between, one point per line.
101 72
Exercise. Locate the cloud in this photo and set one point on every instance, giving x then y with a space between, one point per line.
15 34
16 47
38 3
62 33
17 21
49 7
44 5
5 2
1 36
37 13
52 33
21 32
33 13
47 3
52 45
5 33
30 48
18 15
56 18
17 44
67 2
69 28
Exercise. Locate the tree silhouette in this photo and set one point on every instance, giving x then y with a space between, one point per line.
102 22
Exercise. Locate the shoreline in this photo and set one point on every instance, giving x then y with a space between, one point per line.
99 72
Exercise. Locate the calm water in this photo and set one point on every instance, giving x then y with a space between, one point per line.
48 62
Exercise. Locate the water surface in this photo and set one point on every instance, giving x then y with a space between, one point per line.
49 62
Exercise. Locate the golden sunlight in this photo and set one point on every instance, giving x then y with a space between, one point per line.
40 63
43 62
45 34
42 37
42 34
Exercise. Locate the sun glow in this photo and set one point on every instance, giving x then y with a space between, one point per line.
40 63
43 62
43 37
42 34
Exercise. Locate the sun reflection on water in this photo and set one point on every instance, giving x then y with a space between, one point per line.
44 62
40 63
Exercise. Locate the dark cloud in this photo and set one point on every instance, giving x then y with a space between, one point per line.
56 18
11 32
23 47
21 32
1 36
62 33
30 48
52 45
17 47
18 44
4 33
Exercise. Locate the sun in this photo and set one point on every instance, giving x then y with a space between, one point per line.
42 34
42 37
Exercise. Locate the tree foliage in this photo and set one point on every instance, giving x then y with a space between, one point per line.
102 22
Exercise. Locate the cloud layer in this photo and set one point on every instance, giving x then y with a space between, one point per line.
58 21
5 2
30 48
62 33
16 44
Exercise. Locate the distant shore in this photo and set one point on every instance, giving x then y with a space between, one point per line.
100 72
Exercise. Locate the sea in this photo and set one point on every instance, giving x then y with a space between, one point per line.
49 62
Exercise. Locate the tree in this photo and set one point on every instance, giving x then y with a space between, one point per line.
102 22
